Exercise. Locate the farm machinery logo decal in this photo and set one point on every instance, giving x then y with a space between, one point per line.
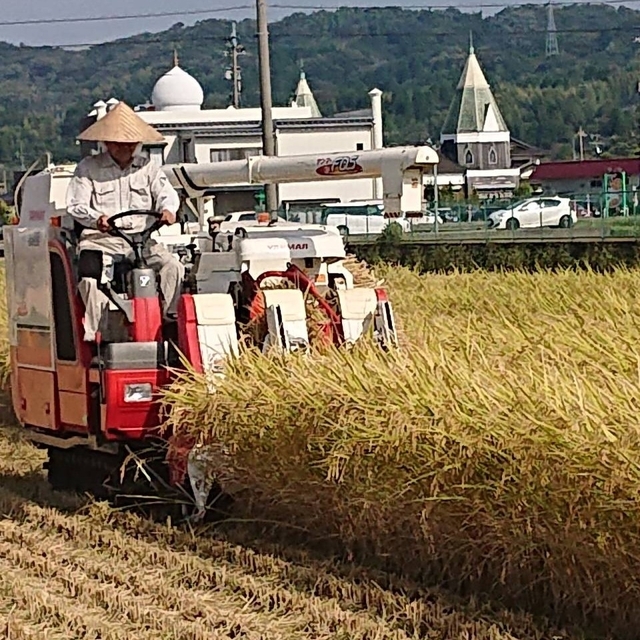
342 166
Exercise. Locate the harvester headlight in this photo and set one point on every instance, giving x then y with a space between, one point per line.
140 392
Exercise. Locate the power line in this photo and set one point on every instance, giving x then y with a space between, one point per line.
130 16
199 12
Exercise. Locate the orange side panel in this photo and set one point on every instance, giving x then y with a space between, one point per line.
36 398
72 377
34 348
73 409
73 396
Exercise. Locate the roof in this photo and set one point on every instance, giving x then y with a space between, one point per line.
358 113
448 166
177 90
525 148
473 108
584 169
305 97
254 128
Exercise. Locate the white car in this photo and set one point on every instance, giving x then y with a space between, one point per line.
355 218
535 212
233 220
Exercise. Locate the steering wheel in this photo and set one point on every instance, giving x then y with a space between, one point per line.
137 240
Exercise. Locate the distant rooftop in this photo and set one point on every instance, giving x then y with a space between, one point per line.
584 169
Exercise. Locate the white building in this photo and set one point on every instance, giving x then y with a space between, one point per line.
194 134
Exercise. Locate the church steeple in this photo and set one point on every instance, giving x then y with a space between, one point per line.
473 108
304 95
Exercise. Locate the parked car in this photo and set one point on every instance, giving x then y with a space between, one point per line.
354 218
246 219
535 212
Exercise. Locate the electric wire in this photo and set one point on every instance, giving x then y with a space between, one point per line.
309 7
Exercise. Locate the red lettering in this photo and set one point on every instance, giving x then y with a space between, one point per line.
340 166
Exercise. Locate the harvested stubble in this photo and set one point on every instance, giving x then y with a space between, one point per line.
70 570
498 454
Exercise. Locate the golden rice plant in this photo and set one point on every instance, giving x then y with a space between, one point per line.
498 452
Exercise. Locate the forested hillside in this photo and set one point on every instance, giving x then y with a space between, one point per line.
415 57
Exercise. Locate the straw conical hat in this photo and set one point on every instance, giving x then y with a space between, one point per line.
121 124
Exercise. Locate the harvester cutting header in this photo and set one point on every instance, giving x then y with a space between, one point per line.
106 288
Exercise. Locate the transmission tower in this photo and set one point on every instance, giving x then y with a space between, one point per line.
233 73
552 37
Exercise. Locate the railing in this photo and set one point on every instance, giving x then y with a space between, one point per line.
584 218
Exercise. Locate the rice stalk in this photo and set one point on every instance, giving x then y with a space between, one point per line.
498 453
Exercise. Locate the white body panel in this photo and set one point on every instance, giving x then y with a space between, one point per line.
357 307
217 336
286 319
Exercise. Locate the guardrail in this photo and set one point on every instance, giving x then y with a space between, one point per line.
591 230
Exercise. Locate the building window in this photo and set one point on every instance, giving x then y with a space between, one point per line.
360 146
223 155
493 156
468 157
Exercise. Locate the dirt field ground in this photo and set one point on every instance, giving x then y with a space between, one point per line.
70 568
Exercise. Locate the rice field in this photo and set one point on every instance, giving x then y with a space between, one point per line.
495 458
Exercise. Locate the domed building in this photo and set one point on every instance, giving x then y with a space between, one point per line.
177 90
195 134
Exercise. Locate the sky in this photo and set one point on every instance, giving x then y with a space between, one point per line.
93 32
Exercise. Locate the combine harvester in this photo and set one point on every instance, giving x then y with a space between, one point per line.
94 405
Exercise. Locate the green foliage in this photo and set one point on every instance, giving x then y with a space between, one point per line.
415 57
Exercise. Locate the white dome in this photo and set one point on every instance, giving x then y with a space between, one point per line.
176 90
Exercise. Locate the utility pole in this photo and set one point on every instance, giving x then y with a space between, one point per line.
234 73
268 138
582 135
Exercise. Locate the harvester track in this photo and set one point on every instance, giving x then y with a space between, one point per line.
137 479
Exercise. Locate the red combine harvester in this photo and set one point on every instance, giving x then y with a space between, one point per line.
93 405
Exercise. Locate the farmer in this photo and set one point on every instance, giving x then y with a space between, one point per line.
120 179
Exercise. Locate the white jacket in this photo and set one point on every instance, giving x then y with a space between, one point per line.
100 187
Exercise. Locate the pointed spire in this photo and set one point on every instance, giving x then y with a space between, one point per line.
176 60
304 95
473 108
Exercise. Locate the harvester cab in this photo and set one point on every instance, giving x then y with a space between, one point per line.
280 286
